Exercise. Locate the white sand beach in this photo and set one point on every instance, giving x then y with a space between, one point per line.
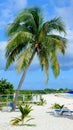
44 119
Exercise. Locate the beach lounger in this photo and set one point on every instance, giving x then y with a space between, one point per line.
9 107
63 112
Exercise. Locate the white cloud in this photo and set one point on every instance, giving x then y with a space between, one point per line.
3 45
8 9
2 49
69 50
66 62
2 55
20 4
65 11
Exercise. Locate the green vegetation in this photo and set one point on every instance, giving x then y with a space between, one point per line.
57 106
6 87
6 92
26 96
28 36
42 101
45 91
24 115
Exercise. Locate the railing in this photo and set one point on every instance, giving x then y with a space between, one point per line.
22 98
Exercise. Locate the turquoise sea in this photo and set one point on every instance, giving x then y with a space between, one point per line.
68 95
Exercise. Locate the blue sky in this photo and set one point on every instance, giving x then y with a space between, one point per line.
35 77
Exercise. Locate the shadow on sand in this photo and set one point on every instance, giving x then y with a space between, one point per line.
61 116
29 125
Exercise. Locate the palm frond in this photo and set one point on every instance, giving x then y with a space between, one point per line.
24 58
54 24
44 62
56 41
25 111
55 64
21 38
20 23
21 109
28 20
16 45
36 12
15 121
29 119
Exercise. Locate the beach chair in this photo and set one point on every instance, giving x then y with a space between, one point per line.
63 111
9 107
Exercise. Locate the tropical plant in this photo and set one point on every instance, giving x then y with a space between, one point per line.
28 36
24 115
42 101
57 106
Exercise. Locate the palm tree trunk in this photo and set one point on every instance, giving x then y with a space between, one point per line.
21 82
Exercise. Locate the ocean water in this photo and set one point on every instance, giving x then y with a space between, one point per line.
68 95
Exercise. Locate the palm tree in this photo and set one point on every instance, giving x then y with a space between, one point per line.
30 36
